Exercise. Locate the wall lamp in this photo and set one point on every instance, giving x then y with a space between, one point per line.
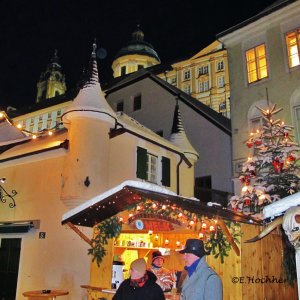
5 196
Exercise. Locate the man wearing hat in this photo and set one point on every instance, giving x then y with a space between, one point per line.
140 286
201 282
165 278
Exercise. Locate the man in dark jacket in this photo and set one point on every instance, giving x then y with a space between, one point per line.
141 285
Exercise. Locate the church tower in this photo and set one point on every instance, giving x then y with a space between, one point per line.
52 81
136 54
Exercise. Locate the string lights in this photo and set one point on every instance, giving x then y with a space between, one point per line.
20 127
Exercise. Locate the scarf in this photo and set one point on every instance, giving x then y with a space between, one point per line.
138 283
191 269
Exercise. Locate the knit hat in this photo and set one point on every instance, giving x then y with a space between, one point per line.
139 265
156 254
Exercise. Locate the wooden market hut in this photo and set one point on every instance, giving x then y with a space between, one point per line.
251 271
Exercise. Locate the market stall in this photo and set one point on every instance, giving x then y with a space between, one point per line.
136 218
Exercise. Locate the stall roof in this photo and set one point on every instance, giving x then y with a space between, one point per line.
131 192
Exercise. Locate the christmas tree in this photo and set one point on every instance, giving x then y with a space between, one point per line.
271 171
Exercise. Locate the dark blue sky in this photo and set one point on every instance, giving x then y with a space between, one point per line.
31 30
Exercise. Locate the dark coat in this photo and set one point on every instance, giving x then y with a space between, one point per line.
149 291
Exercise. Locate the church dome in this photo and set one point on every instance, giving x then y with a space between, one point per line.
137 45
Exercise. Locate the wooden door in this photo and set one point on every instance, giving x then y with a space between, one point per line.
9 267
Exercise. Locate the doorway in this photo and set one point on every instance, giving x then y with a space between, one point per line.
9 266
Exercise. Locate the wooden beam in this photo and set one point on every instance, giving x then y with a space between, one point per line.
81 234
229 236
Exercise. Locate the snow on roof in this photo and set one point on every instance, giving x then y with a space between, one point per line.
132 124
279 207
133 183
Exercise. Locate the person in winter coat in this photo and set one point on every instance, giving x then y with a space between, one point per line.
201 281
165 278
141 285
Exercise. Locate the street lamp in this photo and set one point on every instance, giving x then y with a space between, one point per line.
5 196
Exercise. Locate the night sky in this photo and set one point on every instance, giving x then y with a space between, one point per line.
31 30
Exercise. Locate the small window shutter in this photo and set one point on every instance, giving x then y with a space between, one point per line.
166 167
141 169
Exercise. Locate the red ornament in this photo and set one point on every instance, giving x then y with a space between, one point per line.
247 201
249 144
258 142
291 157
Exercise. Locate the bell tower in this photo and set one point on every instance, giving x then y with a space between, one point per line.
52 81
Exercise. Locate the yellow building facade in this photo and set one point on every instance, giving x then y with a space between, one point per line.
204 76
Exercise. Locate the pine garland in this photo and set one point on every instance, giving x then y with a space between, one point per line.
216 242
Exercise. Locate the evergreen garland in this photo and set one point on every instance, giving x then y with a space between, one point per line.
215 242
110 228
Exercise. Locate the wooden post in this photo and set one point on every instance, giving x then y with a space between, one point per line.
229 236
81 234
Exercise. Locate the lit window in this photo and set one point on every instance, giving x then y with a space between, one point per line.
293 44
220 65
256 63
187 74
204 86
203 70
187 89
221 81
152 168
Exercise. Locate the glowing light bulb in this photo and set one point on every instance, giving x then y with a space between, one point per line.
203 225
1 114
50 132
211 228
19 126
164 207
166 242
150 232
201 235
244 189
34 136
178 244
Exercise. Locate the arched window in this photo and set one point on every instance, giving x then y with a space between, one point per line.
255 121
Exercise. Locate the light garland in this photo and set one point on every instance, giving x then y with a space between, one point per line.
33 135
208 229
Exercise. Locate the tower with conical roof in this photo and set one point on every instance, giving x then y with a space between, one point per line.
179 138
136 54
52 81
89 118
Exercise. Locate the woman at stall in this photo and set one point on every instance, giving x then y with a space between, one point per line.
141 285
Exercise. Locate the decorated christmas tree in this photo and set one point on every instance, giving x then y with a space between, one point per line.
271 171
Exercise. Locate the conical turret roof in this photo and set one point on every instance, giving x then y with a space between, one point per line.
90 98
179 138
